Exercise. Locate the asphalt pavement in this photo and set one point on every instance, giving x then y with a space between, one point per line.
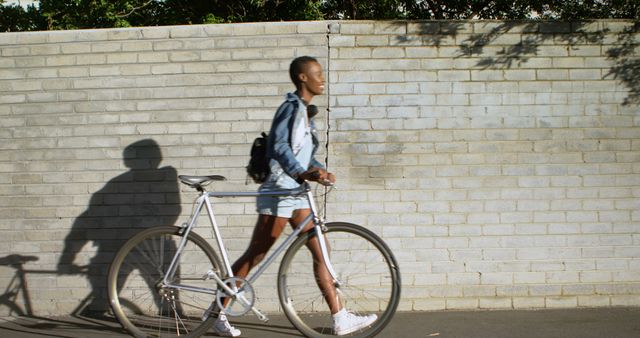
561 323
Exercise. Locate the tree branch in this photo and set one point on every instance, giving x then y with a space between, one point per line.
121 15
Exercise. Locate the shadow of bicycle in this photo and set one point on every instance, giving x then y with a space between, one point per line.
22 320
17 286
71 327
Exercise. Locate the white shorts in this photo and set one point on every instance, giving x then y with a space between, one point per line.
281 206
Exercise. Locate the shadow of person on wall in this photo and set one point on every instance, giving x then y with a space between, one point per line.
145 196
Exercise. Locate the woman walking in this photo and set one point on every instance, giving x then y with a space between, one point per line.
291 146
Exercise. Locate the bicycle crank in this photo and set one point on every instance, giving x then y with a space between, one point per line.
240 301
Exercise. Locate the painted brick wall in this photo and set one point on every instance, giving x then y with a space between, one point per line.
501 161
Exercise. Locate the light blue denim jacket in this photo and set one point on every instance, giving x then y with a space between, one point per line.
288 117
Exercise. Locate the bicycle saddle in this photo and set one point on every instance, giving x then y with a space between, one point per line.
200 181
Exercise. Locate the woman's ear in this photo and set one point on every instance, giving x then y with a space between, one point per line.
303 77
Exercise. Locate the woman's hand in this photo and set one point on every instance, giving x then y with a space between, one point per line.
318 175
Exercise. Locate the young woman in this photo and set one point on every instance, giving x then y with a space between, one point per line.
291 147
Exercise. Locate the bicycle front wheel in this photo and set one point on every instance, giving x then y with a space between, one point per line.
143 304
367 271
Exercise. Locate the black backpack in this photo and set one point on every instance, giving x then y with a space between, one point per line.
258 167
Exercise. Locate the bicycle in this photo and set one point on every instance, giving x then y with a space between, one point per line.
167 272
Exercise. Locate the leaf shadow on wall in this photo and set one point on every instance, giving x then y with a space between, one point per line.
147 195
621 53
626 61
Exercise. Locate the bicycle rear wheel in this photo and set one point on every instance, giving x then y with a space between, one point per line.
364 265
140 301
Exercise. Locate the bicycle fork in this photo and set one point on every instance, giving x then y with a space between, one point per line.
325 256
318 228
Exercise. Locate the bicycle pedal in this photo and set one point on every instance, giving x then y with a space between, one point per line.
263 318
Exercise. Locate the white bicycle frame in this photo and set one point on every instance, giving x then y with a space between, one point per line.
204 200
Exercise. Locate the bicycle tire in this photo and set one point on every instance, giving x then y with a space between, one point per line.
135 282
364 264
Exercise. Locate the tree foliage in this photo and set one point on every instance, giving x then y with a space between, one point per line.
75 14
215 11
16 18
481 9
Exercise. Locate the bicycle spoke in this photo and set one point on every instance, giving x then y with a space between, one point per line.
178 320
144 252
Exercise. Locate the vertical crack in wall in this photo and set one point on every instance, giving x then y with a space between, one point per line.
328 92
330 26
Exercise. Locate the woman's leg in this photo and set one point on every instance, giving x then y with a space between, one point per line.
323 277
266 232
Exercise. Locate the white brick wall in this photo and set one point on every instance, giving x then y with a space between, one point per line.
500 179
517 169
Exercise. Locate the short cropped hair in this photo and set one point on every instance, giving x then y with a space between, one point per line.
297 67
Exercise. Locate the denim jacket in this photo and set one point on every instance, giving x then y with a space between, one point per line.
280 146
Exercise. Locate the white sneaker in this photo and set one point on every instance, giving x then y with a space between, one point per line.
222 328
347 322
